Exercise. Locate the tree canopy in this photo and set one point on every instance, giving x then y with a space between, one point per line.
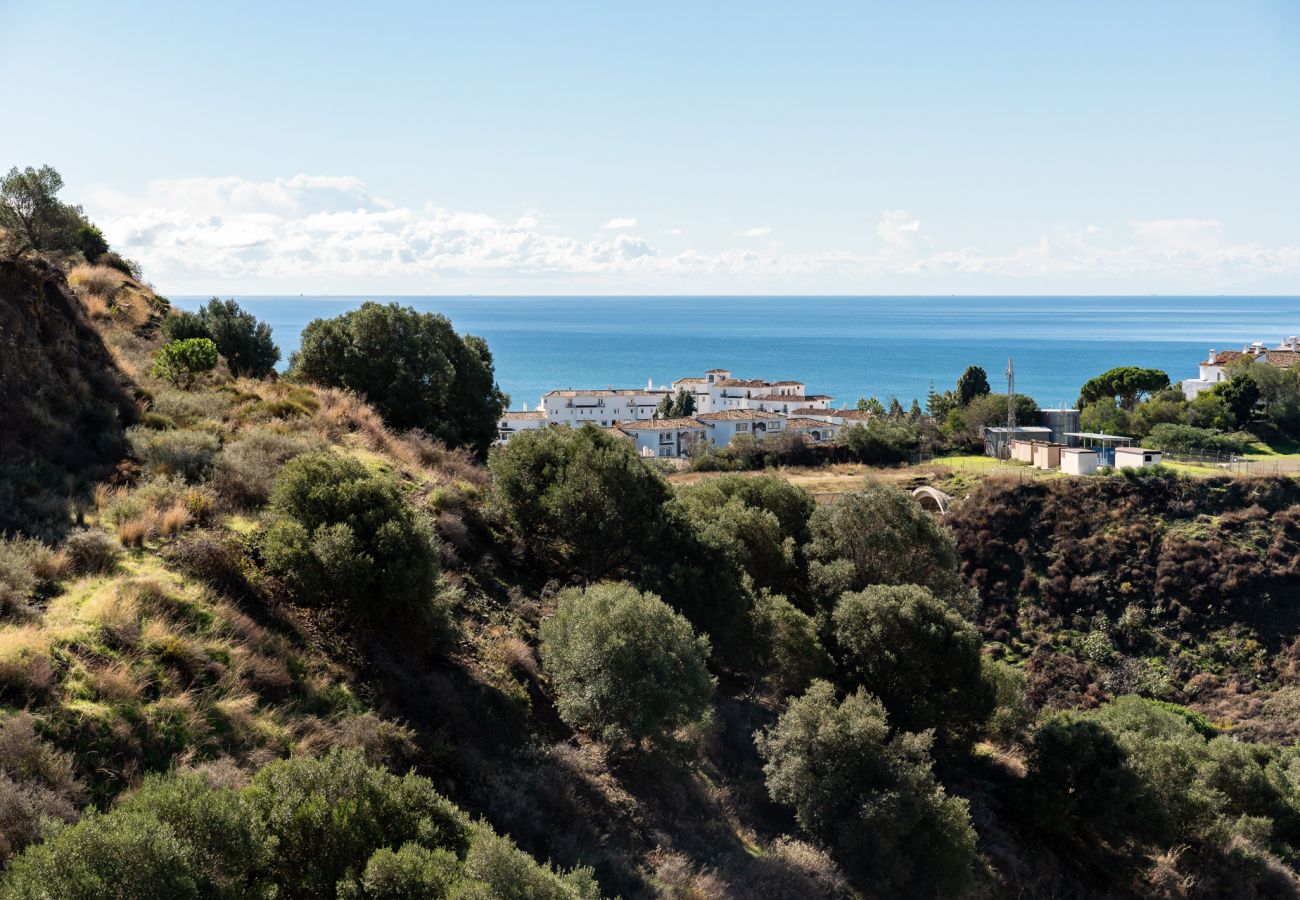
1127 384
676 406
974 382
880 535
918 656
33 218
868 794
244 341
624 665
411 366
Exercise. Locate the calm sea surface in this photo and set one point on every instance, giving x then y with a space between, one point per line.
844 346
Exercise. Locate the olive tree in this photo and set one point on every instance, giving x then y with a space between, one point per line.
625 666
411 366
918 656
345 534
880 535
868 794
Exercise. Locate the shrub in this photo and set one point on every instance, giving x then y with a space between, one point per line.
182 326
581 501
1185 438
188 454
870 797
328 816
114 260
37 785
180 362
304 828
241 339
883 441
412 367
624 665
26 564
880 536
347 534
918 657
794 655
245 469
100 281
91 552
1012 713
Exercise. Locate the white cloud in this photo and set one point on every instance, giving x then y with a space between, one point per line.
619 224
673 231
1178 235
330 233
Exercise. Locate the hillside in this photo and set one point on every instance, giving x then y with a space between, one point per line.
713 689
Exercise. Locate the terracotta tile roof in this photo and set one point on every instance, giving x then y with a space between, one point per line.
785 383
618 432
741 415
800 423
519 414
1222 358
1283 359
814 411
736 382
691 381
786 398
818 397
716 371
856 415
662 425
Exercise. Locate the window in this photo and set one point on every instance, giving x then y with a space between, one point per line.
742 426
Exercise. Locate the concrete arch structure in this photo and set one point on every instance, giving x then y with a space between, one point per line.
938 497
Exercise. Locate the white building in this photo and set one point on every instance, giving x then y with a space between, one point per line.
1135 457
718 391
725 424
842 417
816 430
1212 370
601 407
675 438
1079 460
513 422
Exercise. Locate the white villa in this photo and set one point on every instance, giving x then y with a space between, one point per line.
724 407
1212 369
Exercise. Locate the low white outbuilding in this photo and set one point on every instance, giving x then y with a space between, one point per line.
1136 457
1078 461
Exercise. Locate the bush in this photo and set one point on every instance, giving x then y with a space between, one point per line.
347 534
918 657
760 522
793 655
582 502
180 362
882 441
1012 713
870 797
245 469
37 785
1185 438
880 536
26 565
412 367
304 828
92 552
241 339
188 454
624 665
116 261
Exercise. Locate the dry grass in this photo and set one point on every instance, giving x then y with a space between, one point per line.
100 281
116 684
135 531
95 305
175 519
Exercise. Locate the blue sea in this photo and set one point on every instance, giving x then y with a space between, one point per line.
847 347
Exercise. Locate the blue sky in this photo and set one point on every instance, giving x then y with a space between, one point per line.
677 148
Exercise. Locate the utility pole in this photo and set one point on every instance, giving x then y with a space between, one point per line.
1011 404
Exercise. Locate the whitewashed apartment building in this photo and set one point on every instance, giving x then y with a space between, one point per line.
724 408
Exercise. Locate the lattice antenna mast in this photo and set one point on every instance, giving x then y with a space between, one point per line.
1011 398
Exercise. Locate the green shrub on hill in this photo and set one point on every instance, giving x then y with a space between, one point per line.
344 534
918 657
624 665
243 341
180 362
188 454
1175 438
411 366
880 535
868 794
304 828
